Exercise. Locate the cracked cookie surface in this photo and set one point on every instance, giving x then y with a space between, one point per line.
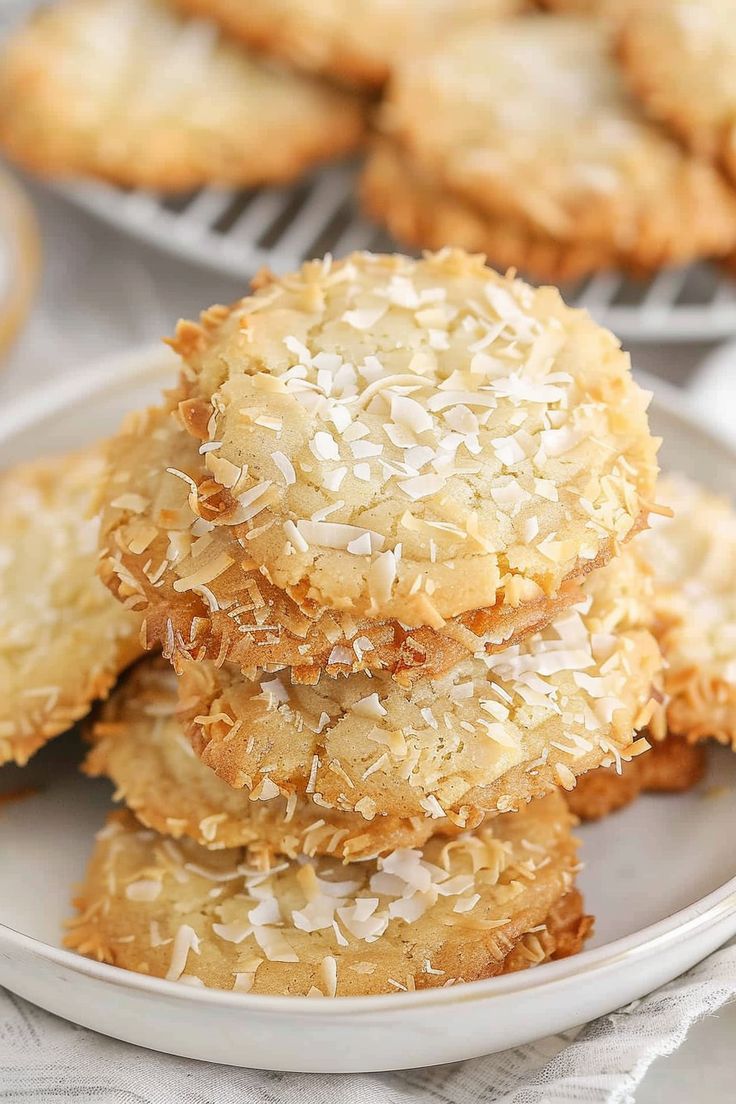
412 439
530 120
157 496
680 59
63 639
485 737
138 742
693 559
128 91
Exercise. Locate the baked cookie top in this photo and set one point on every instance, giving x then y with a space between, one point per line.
421 212
496 900
129 91
693 557
529 118
489 735
155 535
357 43
63 640
414 439
680 59
138 742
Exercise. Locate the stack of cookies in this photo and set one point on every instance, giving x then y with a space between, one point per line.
382 533
386 535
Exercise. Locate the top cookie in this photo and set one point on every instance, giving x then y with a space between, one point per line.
157 497
357 43
680 58
413 439
693 557
127 90
63 640
529 119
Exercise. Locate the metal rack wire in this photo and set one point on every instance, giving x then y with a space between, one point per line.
238 232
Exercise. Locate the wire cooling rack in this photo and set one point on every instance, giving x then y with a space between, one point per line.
238 232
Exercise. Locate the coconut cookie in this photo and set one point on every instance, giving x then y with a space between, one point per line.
356 43
693 557
680 58
529 120
489 735
63 640
139 744
418 212
158 496
129 91
414 439
501 898
670 766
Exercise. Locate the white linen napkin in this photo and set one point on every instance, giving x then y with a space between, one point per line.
44 1060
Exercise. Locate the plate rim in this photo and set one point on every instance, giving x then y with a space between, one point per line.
699 916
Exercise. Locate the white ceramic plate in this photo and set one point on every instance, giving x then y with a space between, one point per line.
660 876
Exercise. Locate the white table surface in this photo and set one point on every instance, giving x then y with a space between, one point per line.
101 293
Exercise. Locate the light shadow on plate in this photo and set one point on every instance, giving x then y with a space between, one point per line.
660 854
49 813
